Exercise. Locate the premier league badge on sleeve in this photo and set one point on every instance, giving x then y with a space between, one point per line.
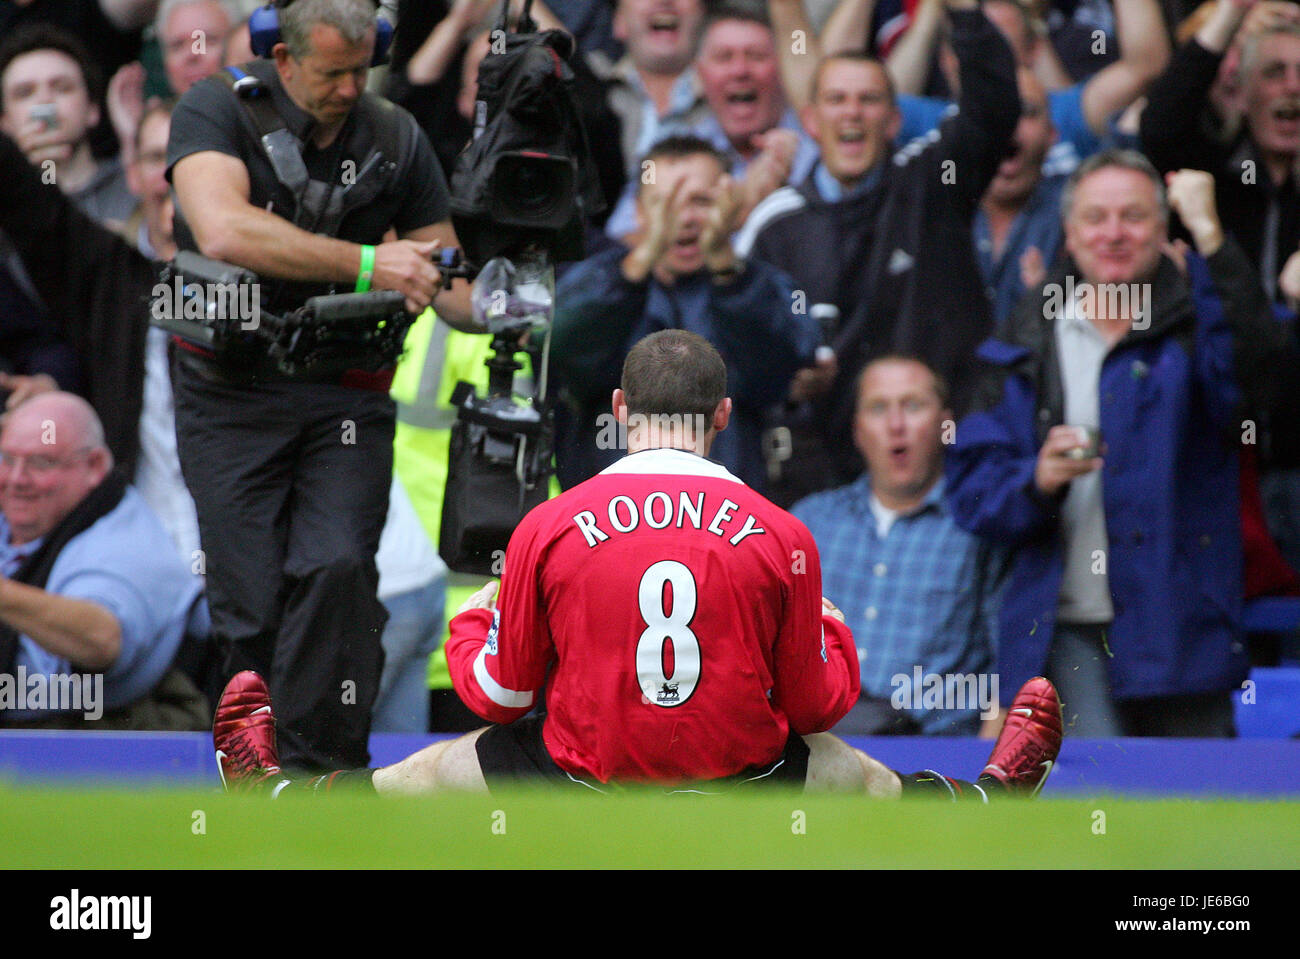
491 643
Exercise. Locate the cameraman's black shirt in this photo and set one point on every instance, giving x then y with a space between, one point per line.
211 117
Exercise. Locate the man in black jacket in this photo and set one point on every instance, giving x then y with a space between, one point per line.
1257 189
1255 185
888 245
95 285
298 176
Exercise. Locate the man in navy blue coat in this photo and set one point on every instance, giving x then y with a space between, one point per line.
1103 447
680 272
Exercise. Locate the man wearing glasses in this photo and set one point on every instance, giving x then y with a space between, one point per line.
90 585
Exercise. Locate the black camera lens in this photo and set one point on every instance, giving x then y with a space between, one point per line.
532 190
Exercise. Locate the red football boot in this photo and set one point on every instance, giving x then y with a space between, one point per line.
1027 747
243 733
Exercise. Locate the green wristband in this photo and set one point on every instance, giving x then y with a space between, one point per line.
367 271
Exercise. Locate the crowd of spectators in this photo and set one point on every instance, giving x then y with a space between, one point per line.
906 225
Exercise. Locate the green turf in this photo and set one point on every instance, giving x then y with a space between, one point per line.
53 828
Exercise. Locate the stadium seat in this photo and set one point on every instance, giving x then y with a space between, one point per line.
1271 614
1271 707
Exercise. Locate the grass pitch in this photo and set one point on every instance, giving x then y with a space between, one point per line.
55 828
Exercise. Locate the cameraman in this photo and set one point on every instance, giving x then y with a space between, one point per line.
291 478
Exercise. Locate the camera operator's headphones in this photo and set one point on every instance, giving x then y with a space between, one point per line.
264 32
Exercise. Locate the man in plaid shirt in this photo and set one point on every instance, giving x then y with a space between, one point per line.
916 590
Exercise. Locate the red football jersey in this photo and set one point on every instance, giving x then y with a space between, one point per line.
680 614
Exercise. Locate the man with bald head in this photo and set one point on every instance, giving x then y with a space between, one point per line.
89 581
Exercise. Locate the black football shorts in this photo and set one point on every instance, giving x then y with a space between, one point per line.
516 755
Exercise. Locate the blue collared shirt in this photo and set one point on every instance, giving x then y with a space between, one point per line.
805 155
832 190
127 564
12 557
921 595
682 99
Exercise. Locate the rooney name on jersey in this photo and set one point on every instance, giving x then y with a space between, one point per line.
657 511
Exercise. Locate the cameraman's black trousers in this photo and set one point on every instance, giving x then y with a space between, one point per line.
291 483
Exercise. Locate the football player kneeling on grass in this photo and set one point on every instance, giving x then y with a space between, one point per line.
680 619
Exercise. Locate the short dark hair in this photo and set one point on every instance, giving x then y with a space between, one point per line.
46 36
733 10
683 145
679 147
674 371
852 56
940 384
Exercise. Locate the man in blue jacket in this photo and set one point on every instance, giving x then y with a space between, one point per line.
1103 448
680 271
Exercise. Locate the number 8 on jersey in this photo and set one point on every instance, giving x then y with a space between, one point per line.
667 634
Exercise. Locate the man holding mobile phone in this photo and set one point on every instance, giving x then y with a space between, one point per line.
1104 451
50 93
